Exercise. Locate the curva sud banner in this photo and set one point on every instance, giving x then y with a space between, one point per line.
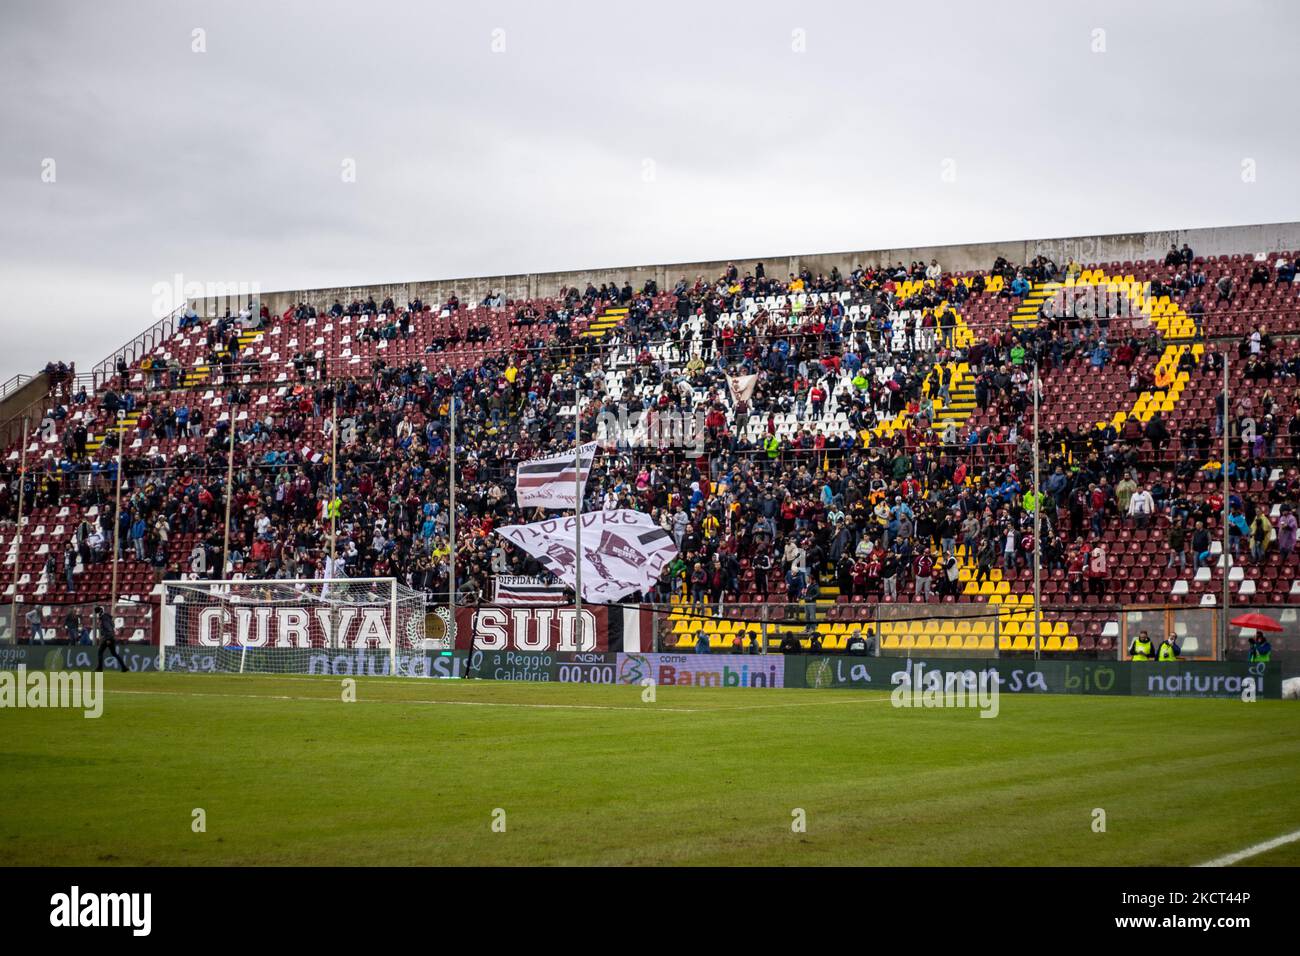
606 627
1125 678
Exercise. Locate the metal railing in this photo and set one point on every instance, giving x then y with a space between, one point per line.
133 350
15 383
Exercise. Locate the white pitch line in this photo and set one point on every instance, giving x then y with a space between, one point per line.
805 703
456 685
1255 850
450 703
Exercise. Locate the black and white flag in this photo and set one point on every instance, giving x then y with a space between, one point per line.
526 589
549 482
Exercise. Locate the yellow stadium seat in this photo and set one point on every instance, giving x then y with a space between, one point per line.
1052 645
986 642
1020 643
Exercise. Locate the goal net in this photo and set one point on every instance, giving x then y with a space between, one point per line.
348 626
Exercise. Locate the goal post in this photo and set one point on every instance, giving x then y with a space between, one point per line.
291 626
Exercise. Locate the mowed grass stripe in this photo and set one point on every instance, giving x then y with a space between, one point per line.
296 782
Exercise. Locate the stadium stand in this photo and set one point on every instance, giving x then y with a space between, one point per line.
884 458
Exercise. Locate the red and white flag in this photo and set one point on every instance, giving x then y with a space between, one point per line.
742 387
622 551
548 482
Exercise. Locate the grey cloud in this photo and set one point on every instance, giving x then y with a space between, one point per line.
225 166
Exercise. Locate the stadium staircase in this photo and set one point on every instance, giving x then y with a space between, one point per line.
608 320
961 392
124 424
201 374
1026 314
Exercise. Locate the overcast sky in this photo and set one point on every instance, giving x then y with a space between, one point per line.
506 137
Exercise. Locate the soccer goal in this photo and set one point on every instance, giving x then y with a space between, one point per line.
346 625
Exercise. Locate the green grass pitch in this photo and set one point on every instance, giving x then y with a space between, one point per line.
286 772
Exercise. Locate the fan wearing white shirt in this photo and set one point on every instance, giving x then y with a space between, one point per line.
1141 506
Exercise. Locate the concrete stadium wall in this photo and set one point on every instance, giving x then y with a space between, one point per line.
29 402
1268 238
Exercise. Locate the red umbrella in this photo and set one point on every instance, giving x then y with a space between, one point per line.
1257 622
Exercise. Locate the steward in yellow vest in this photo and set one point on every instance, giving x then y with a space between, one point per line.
1141 649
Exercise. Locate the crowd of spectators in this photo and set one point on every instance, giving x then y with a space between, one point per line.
871 492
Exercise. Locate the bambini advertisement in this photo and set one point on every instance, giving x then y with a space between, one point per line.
699 670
